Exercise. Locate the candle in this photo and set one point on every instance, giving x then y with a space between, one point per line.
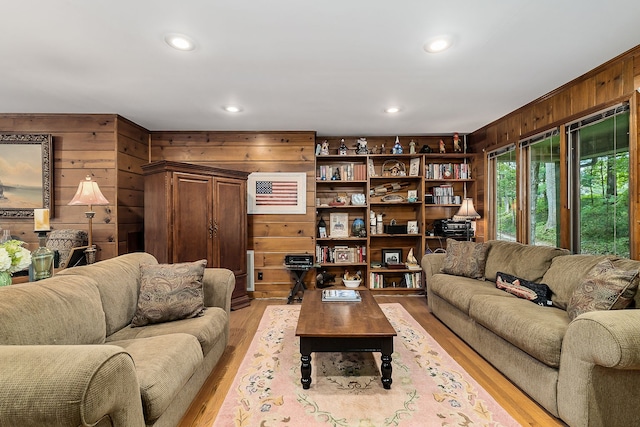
41 220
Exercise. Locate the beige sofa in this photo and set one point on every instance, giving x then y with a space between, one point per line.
585 371
69 357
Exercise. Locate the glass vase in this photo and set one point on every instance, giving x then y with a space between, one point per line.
5 278
42 259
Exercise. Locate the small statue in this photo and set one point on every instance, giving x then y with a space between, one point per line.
382 149
362 146
324 149
318 149
442 149
412 147
426 149
343 148
397 148
456 143
374 150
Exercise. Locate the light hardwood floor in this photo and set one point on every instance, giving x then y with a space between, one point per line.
244 323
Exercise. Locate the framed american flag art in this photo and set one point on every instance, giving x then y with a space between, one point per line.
277 193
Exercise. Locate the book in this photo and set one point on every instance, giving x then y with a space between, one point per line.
347 295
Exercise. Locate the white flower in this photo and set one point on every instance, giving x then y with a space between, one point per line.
5 260
24 260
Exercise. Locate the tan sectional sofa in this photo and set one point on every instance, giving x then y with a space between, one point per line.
69 356
585 371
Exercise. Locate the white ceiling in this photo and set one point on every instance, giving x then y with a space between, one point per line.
331 66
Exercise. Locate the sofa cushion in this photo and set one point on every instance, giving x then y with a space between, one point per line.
535 330
458 291
465 259
118 280
525 261
538 293
163 364
210 328
604 288
169 292
58 310
566 273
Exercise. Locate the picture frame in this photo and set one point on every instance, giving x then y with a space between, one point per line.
391 256
277 193
29 186
412 227
412 195
338 224
414 166
342 256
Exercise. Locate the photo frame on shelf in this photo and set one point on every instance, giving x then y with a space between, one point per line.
338 224
412 195
412 227
391 257
414 166
342 256
277 193
29 186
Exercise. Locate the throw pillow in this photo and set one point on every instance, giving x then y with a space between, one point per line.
535 292
605 287
169 292
465 259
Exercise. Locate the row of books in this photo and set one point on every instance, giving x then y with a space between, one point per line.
447 171
341 254
346 172
442 195
409 280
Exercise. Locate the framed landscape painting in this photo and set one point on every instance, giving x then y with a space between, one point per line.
25 174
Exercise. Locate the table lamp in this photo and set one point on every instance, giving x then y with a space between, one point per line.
467 212
89 194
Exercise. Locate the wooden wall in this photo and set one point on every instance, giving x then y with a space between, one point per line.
105 146
614 82
270 236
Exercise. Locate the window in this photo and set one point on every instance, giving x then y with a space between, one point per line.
502 203
599 183
542 159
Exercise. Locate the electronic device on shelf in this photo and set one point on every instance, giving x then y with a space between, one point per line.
298 261
451 228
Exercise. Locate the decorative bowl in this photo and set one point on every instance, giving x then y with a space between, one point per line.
351 283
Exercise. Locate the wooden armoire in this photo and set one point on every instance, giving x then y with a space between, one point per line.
194 212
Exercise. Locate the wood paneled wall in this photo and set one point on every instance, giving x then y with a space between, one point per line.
105 146
270 236
611 83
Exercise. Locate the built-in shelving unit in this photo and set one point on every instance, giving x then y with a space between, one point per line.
408 192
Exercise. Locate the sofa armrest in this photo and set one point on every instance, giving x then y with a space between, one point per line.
218 287
599 368
616 335
431 264
63 385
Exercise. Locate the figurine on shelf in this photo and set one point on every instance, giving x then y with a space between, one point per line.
336 175
318 149
324 149
361 146
412 147
374 150
426 149
456 143
442 149
382 149
397 148
343 148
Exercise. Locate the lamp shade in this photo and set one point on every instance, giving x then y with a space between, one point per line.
467 210
88 194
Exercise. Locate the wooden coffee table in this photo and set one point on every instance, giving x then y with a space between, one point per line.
344 327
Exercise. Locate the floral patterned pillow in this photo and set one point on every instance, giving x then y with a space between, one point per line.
604 288
169 292
466 259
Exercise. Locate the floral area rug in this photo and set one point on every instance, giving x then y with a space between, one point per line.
429 388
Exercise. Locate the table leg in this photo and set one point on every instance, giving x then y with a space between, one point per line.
386 371
305 370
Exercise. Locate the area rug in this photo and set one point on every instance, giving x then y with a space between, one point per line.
429 387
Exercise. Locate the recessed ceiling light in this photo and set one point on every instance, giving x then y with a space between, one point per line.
179 41
438 44
232 109
392 110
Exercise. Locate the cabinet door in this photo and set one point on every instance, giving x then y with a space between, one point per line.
192 218
230 225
